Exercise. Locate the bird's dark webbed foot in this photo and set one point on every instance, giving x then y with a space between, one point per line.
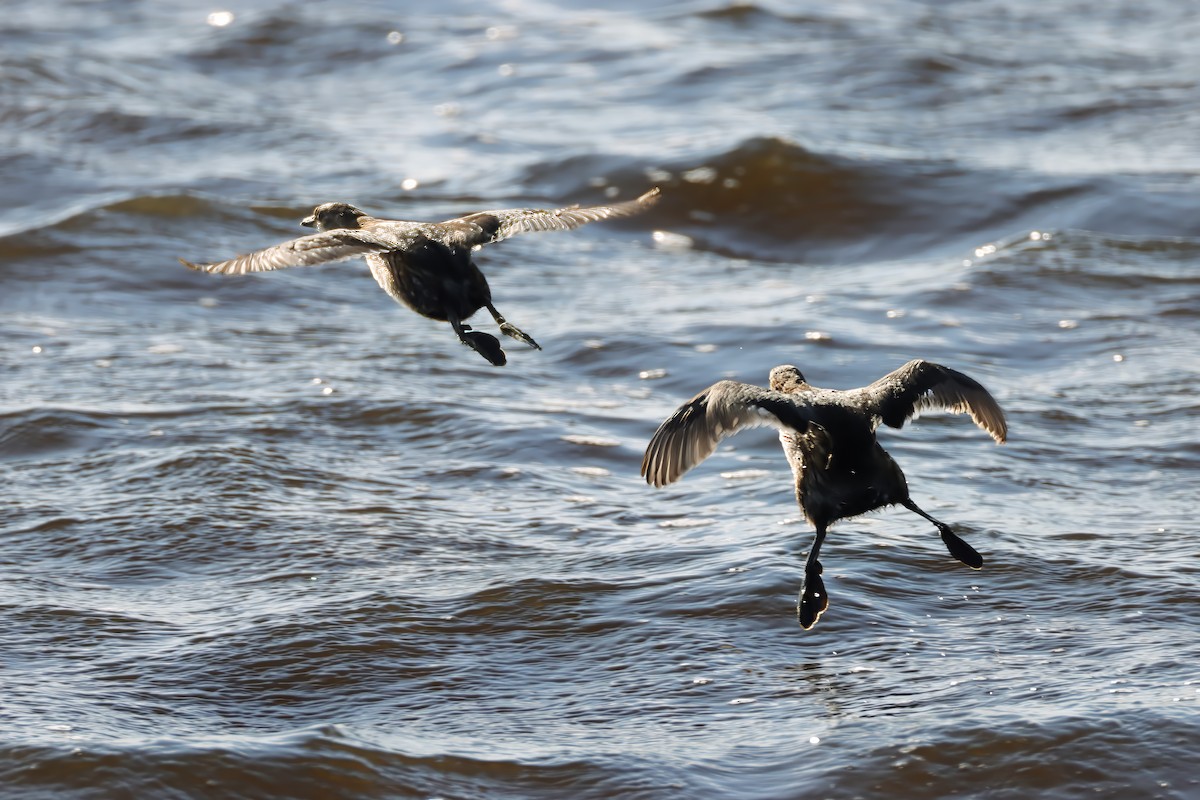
508 329
813 599
485 344
957 547
960 549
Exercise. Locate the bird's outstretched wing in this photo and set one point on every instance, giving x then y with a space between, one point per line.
493 226
920 385
692 433
320 248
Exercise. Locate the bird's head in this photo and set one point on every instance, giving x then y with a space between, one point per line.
786 378
330 216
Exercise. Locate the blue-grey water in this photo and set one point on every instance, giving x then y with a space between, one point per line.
275 536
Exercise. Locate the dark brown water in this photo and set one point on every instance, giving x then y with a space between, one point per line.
274 536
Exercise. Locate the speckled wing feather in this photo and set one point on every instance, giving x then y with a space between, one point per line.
493 226
693 432
320 248
920 385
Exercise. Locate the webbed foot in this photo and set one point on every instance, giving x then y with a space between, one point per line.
813 598
960 549
485 344
508 329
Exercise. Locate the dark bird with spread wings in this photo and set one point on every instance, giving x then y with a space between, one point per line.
829 439
425 266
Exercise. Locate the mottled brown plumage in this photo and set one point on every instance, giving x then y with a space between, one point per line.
829 439
426 266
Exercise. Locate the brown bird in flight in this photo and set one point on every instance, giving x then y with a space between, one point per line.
828 437
425 266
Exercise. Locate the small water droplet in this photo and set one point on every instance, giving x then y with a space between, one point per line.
590 441
591 472
745 474
685 522
671 241
700 175
498 32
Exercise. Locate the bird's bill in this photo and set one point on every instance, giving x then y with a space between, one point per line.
310 221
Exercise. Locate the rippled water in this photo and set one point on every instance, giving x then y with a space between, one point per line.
274 536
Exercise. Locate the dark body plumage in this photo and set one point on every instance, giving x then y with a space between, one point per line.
426 266
828 436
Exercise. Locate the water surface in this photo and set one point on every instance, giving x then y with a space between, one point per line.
274 536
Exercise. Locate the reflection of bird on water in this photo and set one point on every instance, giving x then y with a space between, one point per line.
829 439
426 266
